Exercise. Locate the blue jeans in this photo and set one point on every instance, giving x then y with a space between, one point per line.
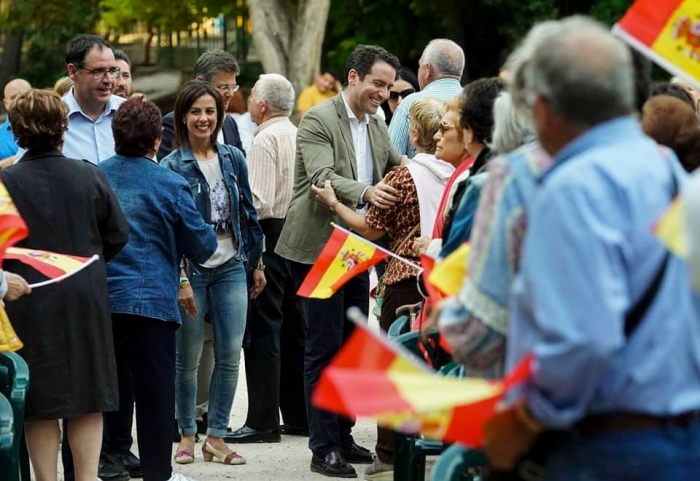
223 293
667 454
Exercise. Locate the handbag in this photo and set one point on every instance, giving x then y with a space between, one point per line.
379 292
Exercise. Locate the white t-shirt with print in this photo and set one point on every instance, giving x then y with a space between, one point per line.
220 212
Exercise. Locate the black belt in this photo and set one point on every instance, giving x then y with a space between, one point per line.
623 422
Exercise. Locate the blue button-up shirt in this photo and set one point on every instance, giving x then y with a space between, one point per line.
589 255
88 139
8 146
443 89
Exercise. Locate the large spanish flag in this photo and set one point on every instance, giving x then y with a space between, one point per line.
668 32
371 377
12 226
669 229
344 256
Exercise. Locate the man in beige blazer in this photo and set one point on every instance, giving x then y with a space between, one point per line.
342 141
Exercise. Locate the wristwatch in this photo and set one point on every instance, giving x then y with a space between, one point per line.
260 267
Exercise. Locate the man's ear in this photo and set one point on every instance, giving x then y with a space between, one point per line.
199 78
72 71
352 77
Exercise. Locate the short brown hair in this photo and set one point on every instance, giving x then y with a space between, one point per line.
674 123
38 119
425 115
188 95
136 126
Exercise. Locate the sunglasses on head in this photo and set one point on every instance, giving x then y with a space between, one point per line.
394 96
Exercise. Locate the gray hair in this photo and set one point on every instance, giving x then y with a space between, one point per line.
510 130
583 71
277 91
446 56
211 63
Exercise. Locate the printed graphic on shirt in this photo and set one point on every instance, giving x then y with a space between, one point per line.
220 207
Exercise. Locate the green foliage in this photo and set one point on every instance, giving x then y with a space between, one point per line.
48 28
610 11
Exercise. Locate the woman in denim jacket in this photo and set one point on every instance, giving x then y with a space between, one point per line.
164 226
218 177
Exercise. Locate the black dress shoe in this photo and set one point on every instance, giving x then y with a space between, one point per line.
332 465
356 454
131 463
247 434
292 430
111 469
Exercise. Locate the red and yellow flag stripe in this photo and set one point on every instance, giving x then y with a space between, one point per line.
344 256
48 263
667 31
12 226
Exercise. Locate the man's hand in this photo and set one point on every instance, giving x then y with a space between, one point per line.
507 437
259 283
186 297
381 195
16 286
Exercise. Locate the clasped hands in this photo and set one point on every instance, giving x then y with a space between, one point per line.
382 195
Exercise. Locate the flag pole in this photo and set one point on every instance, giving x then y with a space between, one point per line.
386 251
64 276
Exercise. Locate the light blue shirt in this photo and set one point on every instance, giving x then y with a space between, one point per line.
8 145
85 138
589 255
443 89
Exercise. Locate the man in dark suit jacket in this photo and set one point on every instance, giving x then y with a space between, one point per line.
220 69
340 140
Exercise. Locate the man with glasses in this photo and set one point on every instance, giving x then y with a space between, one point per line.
439 73
220 69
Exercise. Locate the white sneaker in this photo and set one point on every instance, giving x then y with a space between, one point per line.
378 471
179 477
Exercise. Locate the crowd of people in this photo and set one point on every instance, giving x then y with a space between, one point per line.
555 171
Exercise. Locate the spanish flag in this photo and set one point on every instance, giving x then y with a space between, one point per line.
373 378
668 32
669 229
344 256
12 226
50 264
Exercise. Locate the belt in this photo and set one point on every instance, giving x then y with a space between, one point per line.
623 422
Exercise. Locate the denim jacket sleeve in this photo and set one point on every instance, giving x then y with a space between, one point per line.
194 238
251 232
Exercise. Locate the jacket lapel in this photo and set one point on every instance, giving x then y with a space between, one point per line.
346 132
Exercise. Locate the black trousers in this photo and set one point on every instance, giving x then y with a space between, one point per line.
396 295
327 328
146 348
274 362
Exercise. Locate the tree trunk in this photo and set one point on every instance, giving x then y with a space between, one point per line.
11 55
288 36
147 52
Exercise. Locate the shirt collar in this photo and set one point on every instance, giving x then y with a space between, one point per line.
74 107
351 114
435 84
602 134
269 122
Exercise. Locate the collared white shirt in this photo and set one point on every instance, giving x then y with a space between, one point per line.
363 149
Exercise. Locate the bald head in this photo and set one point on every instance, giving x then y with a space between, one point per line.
579 68
441 58
13 89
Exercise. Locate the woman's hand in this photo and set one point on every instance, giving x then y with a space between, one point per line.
325 195
16 286
259 283
420 245
186 298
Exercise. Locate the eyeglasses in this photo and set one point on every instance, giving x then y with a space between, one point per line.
227 88
99 73
394 96
443 128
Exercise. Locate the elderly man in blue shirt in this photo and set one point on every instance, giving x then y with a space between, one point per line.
8 146
618 375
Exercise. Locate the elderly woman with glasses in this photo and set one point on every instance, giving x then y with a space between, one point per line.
66 327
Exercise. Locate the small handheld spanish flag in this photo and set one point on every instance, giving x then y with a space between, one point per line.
344 256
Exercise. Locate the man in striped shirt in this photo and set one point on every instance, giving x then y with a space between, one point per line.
274 362
439 73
